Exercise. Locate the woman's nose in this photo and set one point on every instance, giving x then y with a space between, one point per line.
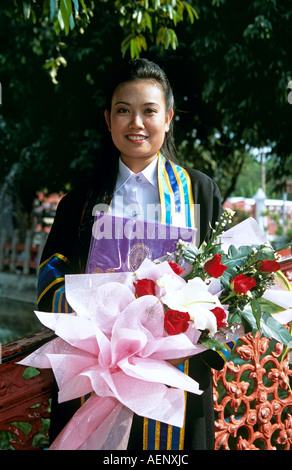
137 122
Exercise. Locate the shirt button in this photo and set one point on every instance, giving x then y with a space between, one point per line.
139 179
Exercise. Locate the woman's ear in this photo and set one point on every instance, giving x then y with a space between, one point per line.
169 117
107 119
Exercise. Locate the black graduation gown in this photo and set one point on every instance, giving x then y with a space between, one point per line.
70 236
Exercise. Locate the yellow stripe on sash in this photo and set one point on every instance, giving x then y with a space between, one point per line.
157 435
161 192
56 281
145 434
55 255
173 437
191 199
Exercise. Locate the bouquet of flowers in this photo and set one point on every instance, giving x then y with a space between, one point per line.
127 326
254 293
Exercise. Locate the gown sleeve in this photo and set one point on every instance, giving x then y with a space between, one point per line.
61 253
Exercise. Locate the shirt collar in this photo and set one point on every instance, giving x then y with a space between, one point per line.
150 173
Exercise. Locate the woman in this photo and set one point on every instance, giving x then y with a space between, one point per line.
139 117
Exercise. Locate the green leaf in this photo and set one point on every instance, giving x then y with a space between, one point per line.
237 255
66 10
126 44
191 12
248 319
191 251
71 21
173 39
134 48
273 329
148 21
269 307
269 327
264 253
257 312
84 8
284 280
26 9
167 39
53 10
156 4
139 16
212 343
76 6
160 36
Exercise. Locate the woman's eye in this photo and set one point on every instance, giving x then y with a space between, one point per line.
150 111
122 110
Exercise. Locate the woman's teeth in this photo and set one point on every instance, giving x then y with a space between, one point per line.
137 137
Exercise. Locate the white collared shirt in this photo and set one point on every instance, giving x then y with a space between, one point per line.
136 195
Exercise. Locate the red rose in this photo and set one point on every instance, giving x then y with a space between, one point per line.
269 266
176 322
242 283
176 268
144 287
214 266
220 315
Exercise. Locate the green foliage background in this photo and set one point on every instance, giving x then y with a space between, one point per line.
229 63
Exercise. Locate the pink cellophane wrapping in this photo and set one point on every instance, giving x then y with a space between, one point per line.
115 346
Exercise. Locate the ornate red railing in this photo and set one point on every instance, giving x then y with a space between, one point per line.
23 399
253 402
252 395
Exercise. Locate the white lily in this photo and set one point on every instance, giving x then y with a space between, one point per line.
195 299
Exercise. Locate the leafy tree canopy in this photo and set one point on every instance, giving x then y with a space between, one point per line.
229 63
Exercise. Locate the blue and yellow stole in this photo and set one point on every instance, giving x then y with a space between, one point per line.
175 192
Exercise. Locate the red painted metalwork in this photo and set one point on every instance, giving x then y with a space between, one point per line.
19 395
253 403
286 264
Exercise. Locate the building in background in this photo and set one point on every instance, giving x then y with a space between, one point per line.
273 215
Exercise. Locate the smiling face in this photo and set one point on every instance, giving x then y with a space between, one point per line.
138 121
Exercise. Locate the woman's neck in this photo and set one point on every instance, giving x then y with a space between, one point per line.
137 164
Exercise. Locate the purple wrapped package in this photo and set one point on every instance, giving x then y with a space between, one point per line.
119 244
